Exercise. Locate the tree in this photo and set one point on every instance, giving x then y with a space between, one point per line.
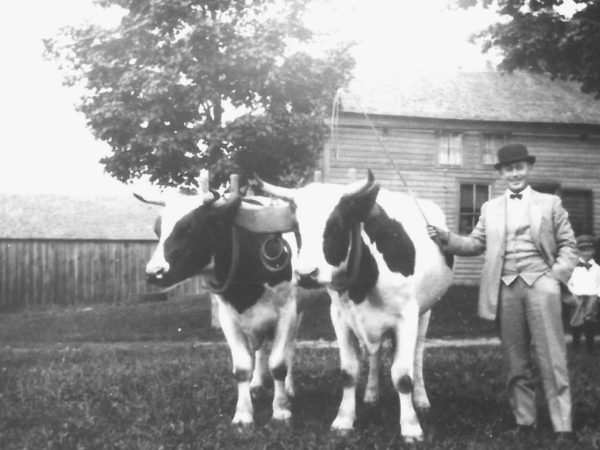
159 86
540 36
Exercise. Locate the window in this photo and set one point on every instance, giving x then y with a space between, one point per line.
450 148
491 144
578 203
472 196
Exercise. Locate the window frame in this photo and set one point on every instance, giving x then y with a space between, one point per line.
473 182
446 136
588 227
491 142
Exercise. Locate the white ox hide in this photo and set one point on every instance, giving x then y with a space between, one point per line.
394 286
195 238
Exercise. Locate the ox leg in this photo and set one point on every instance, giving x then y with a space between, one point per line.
283 348
260 370
403 371
350 369
289 379
372 388
241 356
420 399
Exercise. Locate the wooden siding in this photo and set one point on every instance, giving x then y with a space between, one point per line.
76 272
569 156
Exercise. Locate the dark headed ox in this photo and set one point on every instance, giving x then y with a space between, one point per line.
371 249
243 257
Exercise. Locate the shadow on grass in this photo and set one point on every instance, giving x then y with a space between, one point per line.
455 316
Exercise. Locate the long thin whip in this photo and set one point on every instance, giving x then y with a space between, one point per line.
387 153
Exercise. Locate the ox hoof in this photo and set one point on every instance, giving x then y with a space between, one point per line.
413 435
342 426
342 433
282 415
412 440
242 420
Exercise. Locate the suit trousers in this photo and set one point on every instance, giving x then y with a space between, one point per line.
532 315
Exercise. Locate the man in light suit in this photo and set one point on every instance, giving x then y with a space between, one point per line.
529 251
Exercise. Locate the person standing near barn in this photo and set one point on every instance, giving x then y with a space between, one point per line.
530 251
585 287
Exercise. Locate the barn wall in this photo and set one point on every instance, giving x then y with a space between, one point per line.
569 156
71 272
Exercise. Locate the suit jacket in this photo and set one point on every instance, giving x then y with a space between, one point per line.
551 232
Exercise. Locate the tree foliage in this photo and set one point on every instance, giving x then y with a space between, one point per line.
540 36
160 85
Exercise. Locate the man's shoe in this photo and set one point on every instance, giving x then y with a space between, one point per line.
564 437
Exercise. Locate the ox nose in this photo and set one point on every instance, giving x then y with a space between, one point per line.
156 273
308 277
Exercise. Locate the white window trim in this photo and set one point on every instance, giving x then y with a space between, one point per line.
450 148
472 183
491 143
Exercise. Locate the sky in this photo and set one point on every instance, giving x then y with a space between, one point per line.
46 146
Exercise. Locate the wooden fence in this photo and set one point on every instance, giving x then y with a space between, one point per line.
77 272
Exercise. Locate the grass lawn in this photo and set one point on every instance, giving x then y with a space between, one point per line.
189 319
179 395
138 376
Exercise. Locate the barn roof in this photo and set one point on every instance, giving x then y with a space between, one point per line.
55 216
488 96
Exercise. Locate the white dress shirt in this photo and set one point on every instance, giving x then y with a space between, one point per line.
585 281
516 209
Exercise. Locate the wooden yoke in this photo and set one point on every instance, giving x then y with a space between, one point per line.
263 214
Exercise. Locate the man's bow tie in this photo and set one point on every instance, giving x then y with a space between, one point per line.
584 264
517 196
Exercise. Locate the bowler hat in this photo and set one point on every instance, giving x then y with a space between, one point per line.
585 240
512 153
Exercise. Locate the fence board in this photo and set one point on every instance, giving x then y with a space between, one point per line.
36 272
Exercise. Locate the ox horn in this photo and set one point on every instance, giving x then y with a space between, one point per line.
149 201
361 186
275 191
234 195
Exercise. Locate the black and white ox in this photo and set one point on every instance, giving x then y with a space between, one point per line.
198 235
371 249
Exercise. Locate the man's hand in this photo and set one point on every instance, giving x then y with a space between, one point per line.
438 234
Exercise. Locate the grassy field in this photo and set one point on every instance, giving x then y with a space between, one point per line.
189 319
178 395
141 376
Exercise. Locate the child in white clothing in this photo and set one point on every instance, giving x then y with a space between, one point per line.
585 287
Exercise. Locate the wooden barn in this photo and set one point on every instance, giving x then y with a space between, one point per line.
76 250
443 130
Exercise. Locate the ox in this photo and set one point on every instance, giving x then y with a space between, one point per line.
371 249
200 235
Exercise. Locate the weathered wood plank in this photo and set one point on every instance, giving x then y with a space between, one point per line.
566 155
70 272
